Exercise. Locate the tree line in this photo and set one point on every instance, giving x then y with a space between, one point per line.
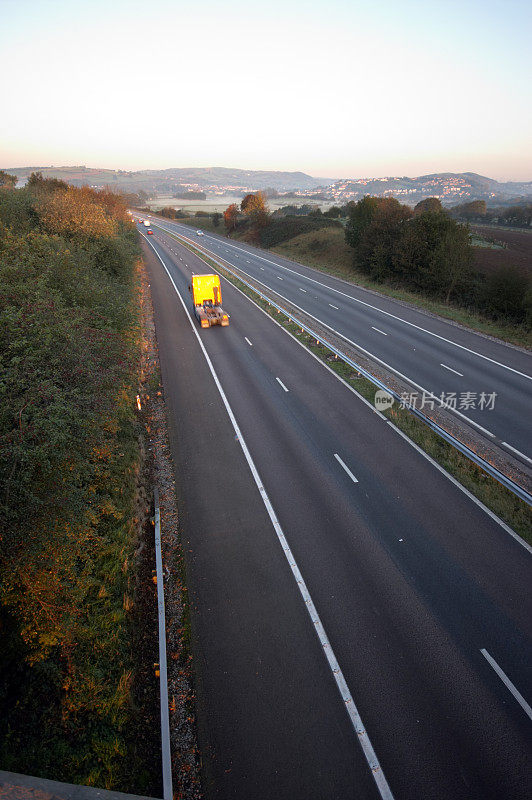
426 250
253 219
518 215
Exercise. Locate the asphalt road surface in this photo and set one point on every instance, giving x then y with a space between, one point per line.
436 356
422 597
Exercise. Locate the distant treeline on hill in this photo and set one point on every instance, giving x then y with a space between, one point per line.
190 196
519 215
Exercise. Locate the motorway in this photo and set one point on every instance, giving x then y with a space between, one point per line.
433 354
350 604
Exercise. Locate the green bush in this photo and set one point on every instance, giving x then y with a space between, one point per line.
281 229
506 294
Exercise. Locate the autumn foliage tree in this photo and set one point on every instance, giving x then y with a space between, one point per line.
255 207
231 217
73 213
7 181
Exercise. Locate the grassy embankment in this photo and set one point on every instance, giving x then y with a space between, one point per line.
73 705
327 251
496 497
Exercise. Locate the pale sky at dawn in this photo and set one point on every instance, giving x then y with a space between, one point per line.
338 88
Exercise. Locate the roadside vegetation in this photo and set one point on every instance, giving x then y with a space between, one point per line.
70 705
422 256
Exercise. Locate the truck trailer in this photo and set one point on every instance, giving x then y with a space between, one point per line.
207 299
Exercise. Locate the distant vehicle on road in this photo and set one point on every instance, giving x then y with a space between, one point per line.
206 300
147 223
149 231
199 233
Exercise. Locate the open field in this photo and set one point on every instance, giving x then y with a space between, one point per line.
514 249
220 202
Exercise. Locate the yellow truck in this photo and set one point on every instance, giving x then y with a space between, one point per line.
206 300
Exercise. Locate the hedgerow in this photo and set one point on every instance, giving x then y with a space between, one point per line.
69 350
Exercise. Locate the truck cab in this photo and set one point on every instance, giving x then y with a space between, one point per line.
206 300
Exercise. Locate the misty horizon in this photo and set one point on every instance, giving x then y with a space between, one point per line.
347 90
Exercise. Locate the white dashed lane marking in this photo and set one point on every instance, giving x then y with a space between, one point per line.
452 370
337 457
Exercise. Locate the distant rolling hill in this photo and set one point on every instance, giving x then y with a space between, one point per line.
175 179
452 188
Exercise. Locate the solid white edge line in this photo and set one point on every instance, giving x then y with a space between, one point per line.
378 330
282 384
247 340
337 457
508 683
354 716
519 453
451 369
387 313
471 496
416 447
